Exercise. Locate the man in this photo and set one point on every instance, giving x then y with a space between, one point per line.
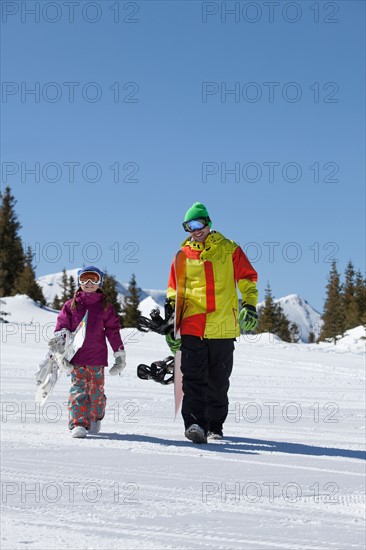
203 280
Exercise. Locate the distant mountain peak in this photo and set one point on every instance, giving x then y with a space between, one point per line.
299 311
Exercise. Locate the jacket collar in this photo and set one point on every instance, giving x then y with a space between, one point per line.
89 297
213 238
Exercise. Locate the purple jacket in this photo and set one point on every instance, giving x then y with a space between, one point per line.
102 323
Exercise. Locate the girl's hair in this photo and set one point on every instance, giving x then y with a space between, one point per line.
74 303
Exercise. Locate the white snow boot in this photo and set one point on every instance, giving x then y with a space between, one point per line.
214 435
95 426
78 431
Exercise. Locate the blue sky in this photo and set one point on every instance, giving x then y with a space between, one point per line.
293 132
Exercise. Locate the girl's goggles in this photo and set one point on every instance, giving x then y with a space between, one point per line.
91 276
195 225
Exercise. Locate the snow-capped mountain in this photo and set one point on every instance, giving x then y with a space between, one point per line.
299 311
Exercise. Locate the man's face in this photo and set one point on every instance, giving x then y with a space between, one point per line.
200 235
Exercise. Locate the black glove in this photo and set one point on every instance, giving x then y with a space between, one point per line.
157 323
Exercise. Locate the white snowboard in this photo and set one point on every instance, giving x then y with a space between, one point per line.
49 371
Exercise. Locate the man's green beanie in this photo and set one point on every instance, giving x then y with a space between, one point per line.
197 210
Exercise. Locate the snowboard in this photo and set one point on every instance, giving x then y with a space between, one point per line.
180 273
178 382
162 371
49 370
76 341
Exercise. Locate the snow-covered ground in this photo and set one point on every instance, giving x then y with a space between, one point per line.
288 475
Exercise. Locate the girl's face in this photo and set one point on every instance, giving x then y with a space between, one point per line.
89 287
89 281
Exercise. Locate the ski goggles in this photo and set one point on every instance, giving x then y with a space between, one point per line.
195 225
90 276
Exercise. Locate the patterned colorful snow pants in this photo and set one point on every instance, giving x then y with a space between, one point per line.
87 400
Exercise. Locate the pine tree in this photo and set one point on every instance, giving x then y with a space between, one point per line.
72 286
130 309
56 304
110 290
272 318
68 289
65 295
349 298
267 314
12 255
294 333
360 297
333 316
26 282
282 324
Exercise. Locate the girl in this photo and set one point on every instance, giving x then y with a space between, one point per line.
87 400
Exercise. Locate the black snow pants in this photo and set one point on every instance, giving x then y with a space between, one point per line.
206 368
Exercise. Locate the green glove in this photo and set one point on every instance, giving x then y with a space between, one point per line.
248 318
174 345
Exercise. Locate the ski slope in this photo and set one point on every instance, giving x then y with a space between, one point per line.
289 475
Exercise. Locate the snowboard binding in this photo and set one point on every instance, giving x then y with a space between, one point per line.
159 371
156 323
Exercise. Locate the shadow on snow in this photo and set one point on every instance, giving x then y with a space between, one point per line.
239 445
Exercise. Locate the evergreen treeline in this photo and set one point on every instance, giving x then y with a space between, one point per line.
345 304
344 309
17 275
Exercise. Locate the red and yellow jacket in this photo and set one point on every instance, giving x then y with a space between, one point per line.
212 270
